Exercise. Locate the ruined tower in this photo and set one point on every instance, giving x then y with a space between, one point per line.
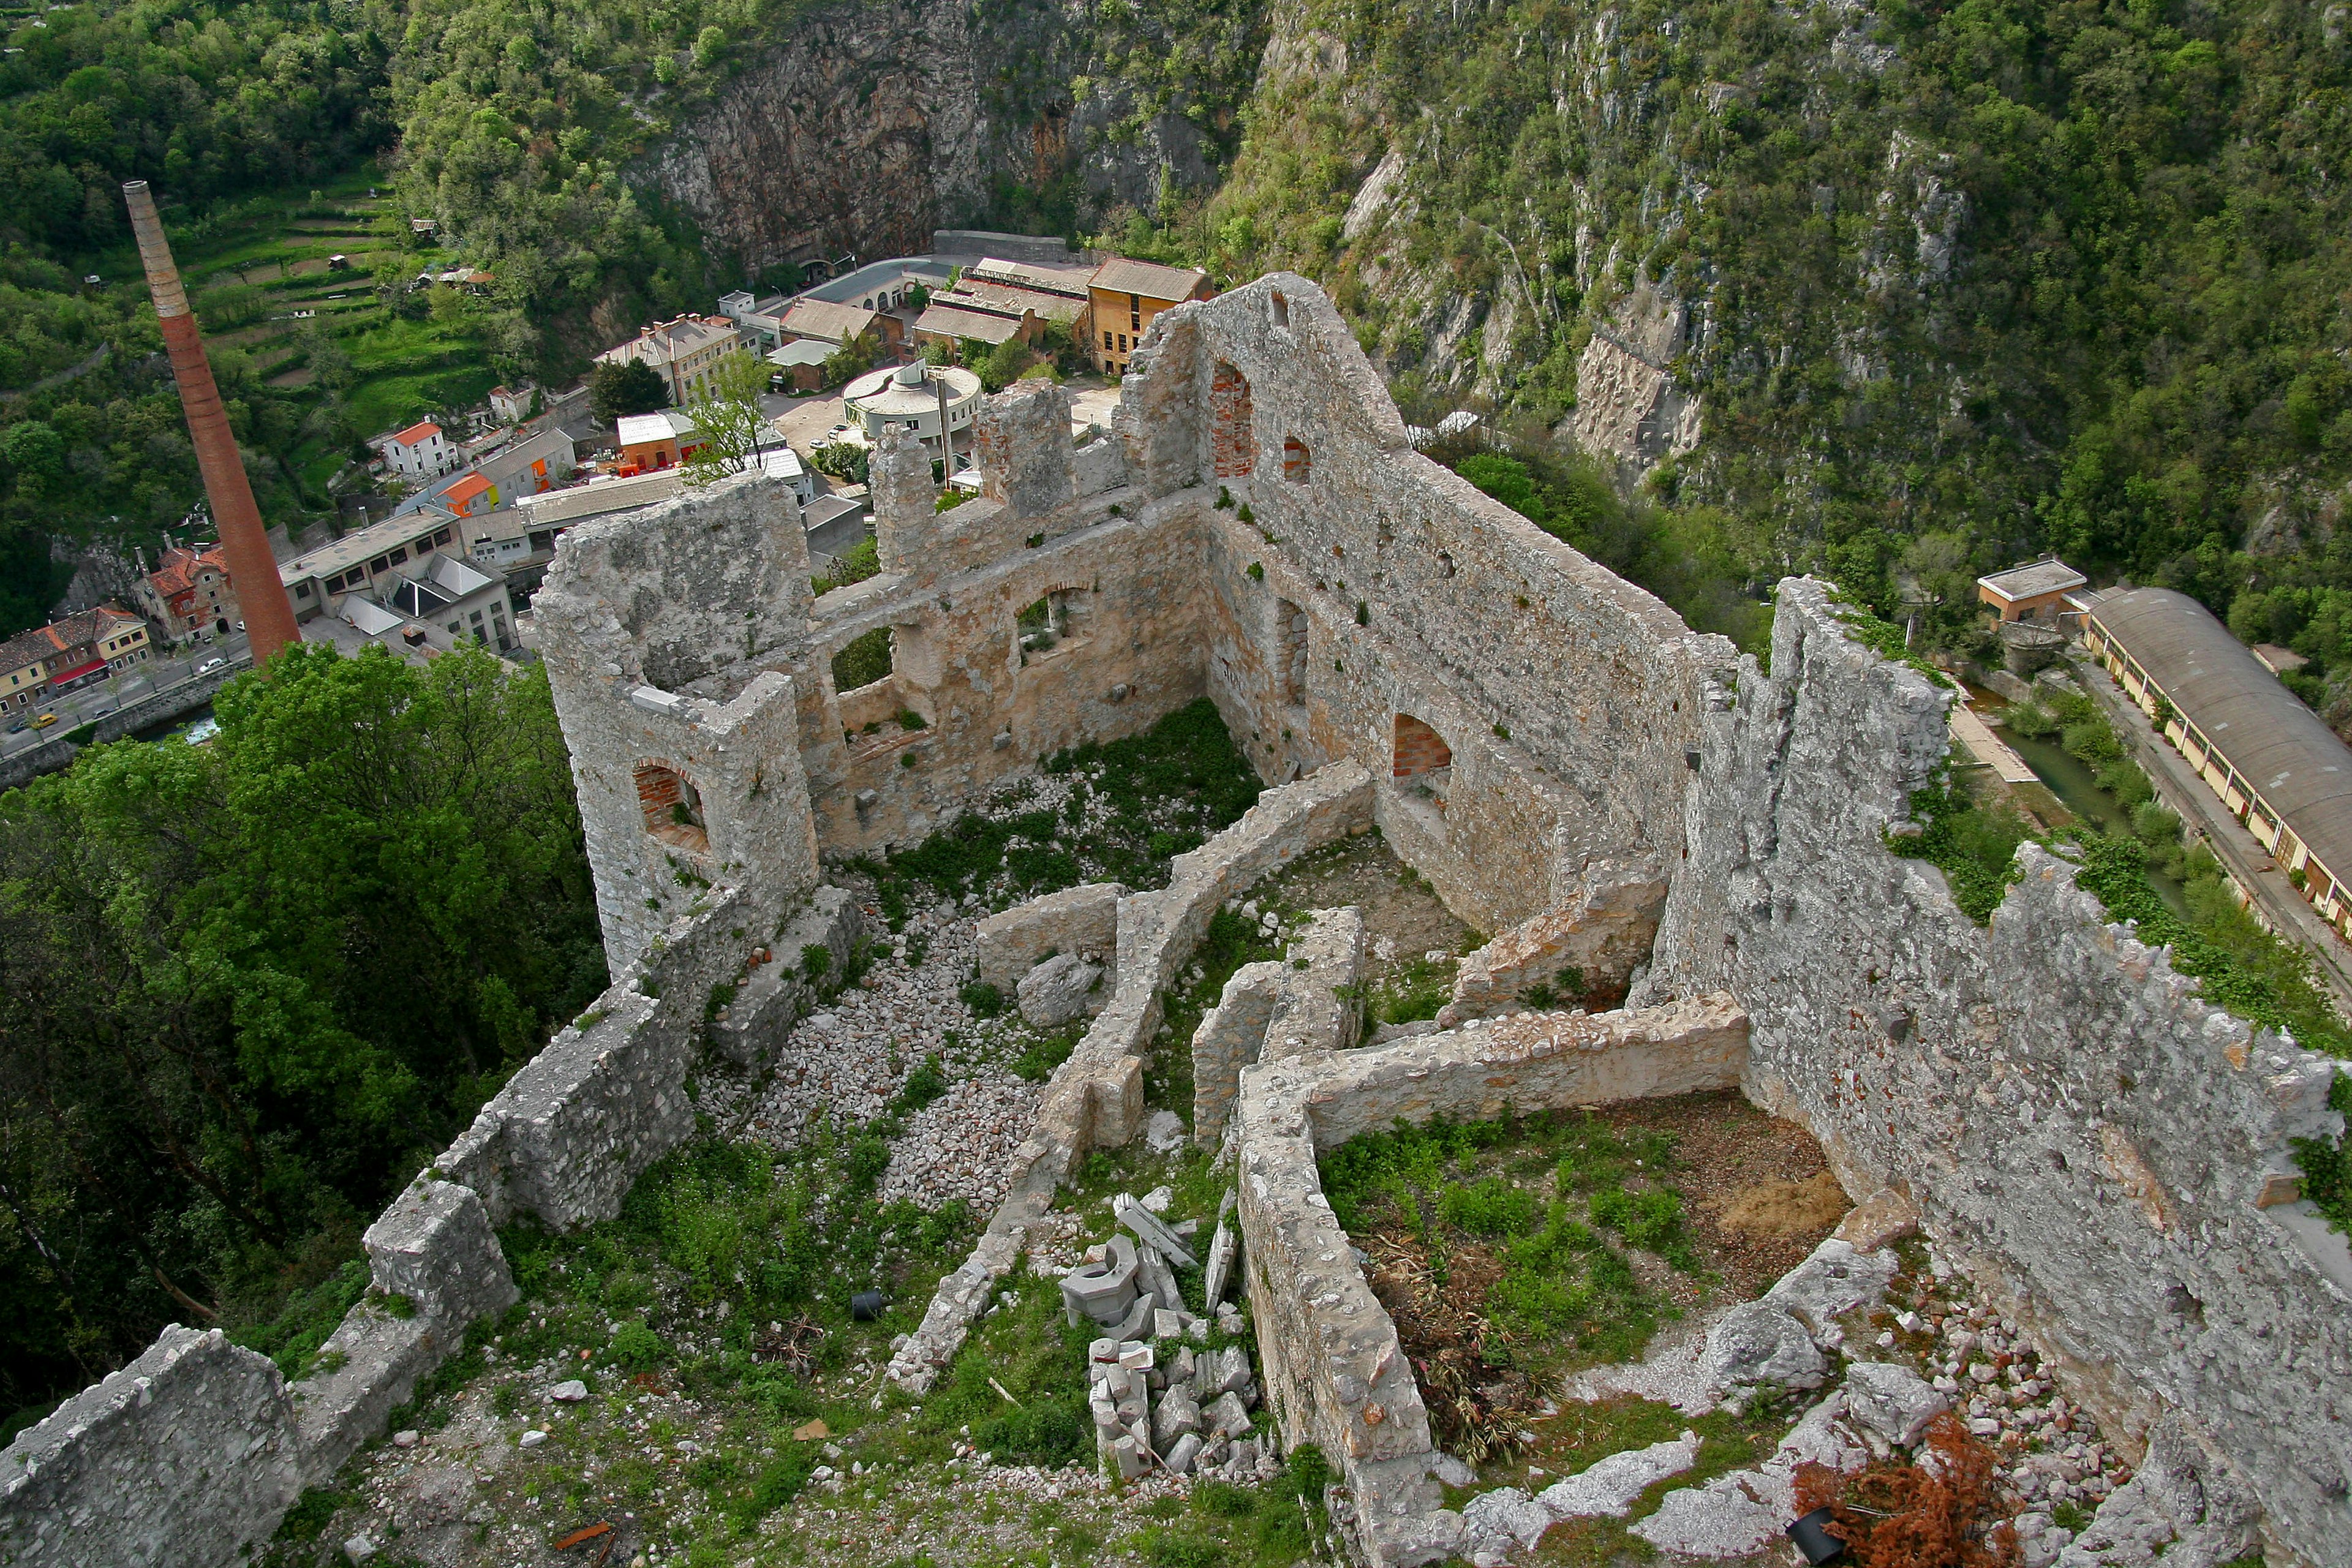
268 615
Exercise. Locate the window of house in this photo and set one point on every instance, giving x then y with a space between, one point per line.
399 555
335 584
379 564
1418 749
457 629
1135 312
302 590
442 537
1107 343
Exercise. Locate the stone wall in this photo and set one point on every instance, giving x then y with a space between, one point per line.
1372 586
1094 1099
2107 1152
1338 1375
156 708
1083 919
188 1455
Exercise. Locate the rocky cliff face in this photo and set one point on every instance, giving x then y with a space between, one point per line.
871 125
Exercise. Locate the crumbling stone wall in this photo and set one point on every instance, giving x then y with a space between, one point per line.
2105 1150
1565 698
186 1456
1082 920
1094 1099
1337 1372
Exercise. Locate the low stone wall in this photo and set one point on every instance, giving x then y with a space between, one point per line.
1096 1098
1076 919
188 1455
1285 1009
1337 1374
2110 1156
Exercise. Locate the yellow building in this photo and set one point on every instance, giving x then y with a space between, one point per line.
1126 295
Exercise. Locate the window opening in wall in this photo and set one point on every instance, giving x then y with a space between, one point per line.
863 661
1232 441
672 807
1049 622
1291 627
1419 749
1294 462
1281 311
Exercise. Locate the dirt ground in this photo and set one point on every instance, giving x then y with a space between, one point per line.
1404 921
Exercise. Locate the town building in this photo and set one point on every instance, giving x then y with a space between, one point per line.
908 394
823 322
422 451
2272 762
762 319
66 654
800 366
1126 297
683 353
503 468
24 674
189 591
998 300
661 439
2037 591
511 405
317 579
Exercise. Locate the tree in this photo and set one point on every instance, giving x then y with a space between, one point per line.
246 988
854 358
634 387
733 429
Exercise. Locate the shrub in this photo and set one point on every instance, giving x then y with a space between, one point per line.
984 999
1490 1206
635 1347
1050 1432
816 958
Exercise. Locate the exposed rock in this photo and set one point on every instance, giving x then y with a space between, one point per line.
1064 987
1761 1342
2185 1507
1879 1220
1507 1514
1893 1400
1610 1485
1835 1280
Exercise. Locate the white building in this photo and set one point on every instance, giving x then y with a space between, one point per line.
422 451
910 394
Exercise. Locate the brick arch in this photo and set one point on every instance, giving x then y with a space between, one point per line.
1233 440
1417 749
672 807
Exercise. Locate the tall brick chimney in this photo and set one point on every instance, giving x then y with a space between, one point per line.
252 568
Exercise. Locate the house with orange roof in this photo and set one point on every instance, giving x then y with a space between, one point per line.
71 653
472 494
422 451
188 592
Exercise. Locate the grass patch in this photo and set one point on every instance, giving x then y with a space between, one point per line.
1133 805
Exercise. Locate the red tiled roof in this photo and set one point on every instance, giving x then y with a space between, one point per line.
177 573
416 434
467 488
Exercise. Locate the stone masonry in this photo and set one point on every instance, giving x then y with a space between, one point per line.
2110 1157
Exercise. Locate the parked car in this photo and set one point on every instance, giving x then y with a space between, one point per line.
210 665
20 726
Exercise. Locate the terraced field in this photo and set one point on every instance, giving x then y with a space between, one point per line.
265 284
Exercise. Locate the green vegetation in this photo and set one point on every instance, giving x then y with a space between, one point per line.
251 986
617 390
1140 801
863 661
1563 1288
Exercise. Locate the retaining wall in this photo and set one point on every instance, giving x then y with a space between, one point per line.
2110 1156
185 697
1337 1373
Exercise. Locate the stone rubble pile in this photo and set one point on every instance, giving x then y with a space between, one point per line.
847 1060
1158 1401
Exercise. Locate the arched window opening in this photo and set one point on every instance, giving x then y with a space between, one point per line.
1294 462
673 809
1281 311
1232 442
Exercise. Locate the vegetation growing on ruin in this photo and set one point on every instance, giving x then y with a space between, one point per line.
1544 1239
1126 807
249 987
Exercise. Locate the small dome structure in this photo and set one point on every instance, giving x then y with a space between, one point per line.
910 395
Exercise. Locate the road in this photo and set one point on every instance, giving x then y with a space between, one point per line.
95 702
2277 903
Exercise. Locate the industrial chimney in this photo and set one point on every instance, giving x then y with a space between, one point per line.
252 568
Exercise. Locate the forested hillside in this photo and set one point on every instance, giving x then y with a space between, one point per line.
1930 288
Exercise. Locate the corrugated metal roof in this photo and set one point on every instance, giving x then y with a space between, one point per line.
1121 274
948 320
2282 748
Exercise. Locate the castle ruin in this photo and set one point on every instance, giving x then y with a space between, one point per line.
1568 765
